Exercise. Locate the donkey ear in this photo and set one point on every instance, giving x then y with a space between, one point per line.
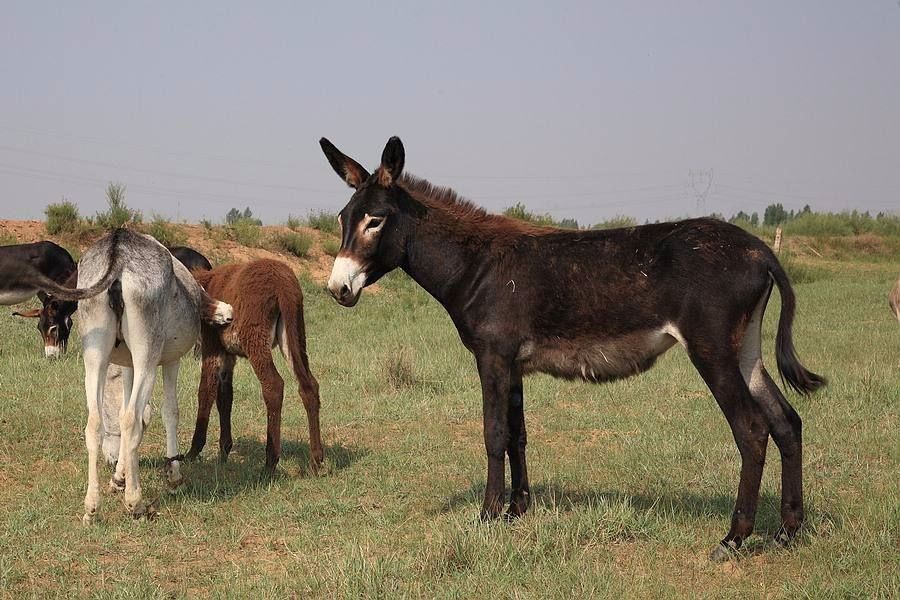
347 169
34 313
391 162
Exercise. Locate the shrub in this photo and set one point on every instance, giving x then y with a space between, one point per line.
616 222
7 239
118 213
398 370
293 222
62 217
245 232
297 244
324 221
207 224
165 232
331 247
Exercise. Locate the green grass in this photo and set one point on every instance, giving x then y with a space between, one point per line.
633 481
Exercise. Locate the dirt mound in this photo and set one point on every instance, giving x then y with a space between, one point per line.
211 242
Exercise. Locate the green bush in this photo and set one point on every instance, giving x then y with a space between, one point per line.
293 222
617 222
246 232
118 213
62 217
167 234
324 221
297 244
331 247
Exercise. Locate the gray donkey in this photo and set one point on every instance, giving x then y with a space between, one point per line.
139 309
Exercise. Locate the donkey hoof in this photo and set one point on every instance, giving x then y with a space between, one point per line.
783 537
89 519
116 485
519 502
173 487
724 551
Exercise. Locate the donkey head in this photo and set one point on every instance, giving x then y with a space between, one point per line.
373 238
54 323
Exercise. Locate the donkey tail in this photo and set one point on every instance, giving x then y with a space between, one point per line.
113 271
797 376
291 308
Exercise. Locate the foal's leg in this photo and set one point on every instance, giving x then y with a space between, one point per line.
309 393
494 372
273 395
170 421
224 400
96 345
751 433
206 394
520 497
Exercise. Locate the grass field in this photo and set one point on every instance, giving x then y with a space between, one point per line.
633 481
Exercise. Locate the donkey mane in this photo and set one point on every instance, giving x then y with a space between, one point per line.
463 210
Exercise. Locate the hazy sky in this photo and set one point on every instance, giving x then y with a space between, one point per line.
582 109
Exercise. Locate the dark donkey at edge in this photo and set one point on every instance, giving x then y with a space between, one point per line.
592 305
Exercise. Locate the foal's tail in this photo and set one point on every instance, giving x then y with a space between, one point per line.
291 309
113 271
796 375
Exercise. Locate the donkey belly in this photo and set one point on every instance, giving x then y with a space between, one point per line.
595 359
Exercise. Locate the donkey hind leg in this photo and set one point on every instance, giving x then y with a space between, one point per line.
787 431
224 400
309 393
520 496
273 395
495 374
174 480
751 434
97 343
784 424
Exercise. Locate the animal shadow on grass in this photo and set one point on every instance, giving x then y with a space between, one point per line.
244 471
679 506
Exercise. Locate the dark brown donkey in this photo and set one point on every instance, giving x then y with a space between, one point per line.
594 305
268 311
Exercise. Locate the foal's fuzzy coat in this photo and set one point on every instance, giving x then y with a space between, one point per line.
268 310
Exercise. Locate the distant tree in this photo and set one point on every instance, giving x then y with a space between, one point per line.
232 216
775 215
754 219
568 224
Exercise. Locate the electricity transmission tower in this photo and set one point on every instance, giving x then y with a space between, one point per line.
701 181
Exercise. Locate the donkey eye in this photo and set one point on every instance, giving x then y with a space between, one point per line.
374 223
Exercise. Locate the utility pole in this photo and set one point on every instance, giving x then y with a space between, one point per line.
701 181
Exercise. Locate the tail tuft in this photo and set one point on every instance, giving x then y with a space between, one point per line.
798 377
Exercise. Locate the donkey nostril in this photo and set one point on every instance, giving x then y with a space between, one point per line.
345 291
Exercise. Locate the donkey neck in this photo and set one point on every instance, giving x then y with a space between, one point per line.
444 257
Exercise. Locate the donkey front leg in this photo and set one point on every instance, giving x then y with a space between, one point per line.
494 372
174 479
206 395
